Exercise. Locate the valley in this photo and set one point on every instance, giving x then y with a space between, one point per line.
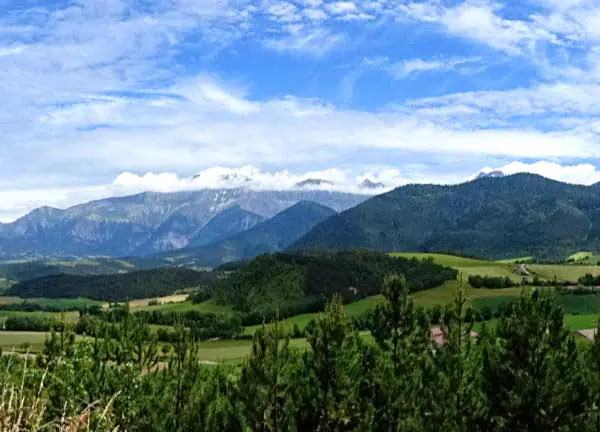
582 311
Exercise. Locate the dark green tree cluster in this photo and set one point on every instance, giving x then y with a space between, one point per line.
31 323
527 374
491 282
590 280
115 287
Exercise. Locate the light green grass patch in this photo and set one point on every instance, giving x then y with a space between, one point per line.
582 322
468 266
568 273
14 341
445 294
447 260
580 256
515 260
206 307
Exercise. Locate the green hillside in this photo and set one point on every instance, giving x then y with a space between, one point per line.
297 283
516 216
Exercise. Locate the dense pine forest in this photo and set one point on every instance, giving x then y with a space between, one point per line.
527 373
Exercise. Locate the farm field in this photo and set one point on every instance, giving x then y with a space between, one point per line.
469 266
570 273
582 322
15 340
177 298
206 307
515 260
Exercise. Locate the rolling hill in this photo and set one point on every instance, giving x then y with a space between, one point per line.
494 217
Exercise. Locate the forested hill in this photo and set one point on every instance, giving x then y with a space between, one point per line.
512 216
116 287
298 283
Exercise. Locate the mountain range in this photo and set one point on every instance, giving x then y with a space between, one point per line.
151 223
273 235
493 216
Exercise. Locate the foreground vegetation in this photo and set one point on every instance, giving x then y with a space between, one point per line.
335 381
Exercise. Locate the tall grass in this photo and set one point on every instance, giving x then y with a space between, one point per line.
22 409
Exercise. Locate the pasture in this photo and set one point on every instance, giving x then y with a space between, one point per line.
176 298
569 273
206 307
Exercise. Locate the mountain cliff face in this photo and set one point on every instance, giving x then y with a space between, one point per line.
150 222
493 217
273 235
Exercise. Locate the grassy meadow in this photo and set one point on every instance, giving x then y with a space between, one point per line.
185 306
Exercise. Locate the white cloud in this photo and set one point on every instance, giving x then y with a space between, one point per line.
585 174
9 51
17 202
342 7
285 12
405 68
315 14
478 20
316 42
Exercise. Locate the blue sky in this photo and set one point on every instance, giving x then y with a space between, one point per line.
108 97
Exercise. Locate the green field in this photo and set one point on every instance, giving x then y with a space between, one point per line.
206 307
582 322
569 273
447 260
580 256
14 340
469 266
515 260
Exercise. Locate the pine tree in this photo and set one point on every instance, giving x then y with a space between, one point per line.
403 335
594 362
459 402
533 375
265 383
328 385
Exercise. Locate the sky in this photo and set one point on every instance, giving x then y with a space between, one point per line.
111 97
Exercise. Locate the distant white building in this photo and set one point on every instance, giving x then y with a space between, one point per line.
587 334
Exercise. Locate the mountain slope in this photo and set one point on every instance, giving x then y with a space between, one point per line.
229 222
270 236
510 216
146 223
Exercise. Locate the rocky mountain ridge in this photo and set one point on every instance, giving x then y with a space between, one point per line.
148 223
